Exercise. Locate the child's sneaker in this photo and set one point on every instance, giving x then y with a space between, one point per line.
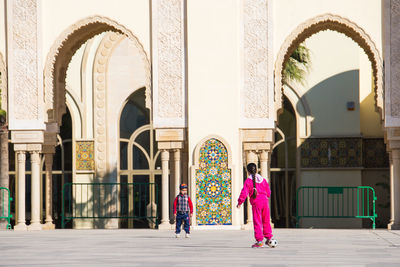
257 245
177 235
187 235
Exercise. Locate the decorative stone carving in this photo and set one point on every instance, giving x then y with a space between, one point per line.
395 58
255 90
23 55
64 48
102 57
3 83
335 23
168 63
170 47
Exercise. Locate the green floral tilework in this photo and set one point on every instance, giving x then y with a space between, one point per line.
213 185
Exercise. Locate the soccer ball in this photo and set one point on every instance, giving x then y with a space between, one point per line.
272 243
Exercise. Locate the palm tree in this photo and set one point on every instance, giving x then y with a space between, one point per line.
297 65
4 176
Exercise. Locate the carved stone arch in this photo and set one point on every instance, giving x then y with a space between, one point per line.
3 83
61 54
338 24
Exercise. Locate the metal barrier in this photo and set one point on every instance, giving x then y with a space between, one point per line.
335 202
5 205
131 201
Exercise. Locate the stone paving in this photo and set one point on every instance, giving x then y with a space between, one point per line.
297 247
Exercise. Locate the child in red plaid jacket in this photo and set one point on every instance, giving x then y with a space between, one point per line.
182 208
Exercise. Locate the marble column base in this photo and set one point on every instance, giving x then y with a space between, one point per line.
394 226
35 227
248 226
20 227
165 226
48 226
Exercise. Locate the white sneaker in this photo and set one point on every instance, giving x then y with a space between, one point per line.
187 235
177 235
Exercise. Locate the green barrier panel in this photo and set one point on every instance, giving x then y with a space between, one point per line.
5 205
131 201
335 202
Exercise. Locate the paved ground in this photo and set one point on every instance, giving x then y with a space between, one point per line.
297 247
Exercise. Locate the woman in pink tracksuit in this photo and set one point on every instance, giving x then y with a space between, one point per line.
258 189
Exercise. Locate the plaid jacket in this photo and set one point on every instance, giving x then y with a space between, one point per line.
183 203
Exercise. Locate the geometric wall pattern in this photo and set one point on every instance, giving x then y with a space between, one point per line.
331 153
374 153
344 152
213 185
84 155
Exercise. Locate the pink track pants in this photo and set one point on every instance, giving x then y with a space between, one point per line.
261 219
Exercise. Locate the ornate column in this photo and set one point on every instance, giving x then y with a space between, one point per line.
256 140
4 161
251 157
165 190
48 160
391 221
264 164
35 191
26 112
177 161
21 158
395 190
264 172
49 148
168 140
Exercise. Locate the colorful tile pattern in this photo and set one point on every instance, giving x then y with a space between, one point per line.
374 153
331 153
84 155
213 185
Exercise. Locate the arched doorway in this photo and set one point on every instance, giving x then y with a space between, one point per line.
64 49
342 90
94 66
139 163
334 23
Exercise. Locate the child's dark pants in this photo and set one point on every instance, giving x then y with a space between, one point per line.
182 217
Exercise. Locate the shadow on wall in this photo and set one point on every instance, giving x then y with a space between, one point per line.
337 143
107 204
328 100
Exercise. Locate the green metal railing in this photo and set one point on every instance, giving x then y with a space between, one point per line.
131 201
5 205
335 202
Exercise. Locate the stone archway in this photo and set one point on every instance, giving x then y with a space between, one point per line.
65 47
338 24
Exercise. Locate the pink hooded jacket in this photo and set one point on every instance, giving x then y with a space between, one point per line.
262 186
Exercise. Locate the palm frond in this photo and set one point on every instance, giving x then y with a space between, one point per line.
298 65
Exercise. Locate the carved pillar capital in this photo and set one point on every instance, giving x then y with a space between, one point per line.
35 156
21 157
164 155
177 154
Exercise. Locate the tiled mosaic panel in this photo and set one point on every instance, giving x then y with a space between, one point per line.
331 153
213 185
84 155
374 153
